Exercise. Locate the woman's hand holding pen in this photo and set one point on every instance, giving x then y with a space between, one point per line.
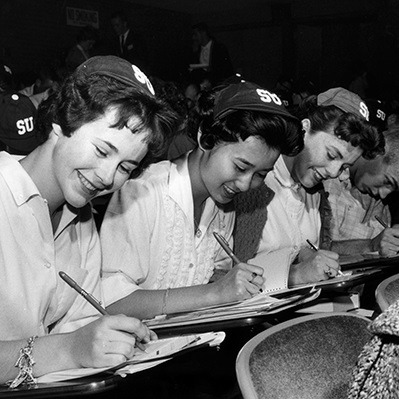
107 341
387 242
242 282
314 266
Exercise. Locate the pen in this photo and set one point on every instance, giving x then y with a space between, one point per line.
224 244
382 223
90 298
315 248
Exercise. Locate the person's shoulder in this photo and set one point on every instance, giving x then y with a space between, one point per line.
157 170
155 175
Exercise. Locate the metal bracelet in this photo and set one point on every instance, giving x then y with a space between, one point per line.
25 364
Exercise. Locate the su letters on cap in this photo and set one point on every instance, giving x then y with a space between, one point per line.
25 125
364 110
268 97
142 78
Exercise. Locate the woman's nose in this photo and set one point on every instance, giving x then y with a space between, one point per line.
106 176
244 183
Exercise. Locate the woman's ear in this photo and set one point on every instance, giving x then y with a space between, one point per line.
56 129
199 136
306 126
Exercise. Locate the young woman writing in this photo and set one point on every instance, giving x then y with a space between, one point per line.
103 124
159 250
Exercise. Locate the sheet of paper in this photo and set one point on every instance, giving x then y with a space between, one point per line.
158 351
256 306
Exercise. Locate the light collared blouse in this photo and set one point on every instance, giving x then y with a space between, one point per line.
147 234
33 297
353 213
292 217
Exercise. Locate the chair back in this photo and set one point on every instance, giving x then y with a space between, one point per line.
309 357
387 292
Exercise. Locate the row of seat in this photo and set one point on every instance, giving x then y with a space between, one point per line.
309 357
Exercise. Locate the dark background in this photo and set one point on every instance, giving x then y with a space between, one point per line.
323 40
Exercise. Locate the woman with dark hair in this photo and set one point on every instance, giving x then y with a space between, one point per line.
336 134
101 126
158 246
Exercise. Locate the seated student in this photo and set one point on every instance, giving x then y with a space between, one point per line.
357 197
17 123
159 251
17 117
47 79
103 124
275 236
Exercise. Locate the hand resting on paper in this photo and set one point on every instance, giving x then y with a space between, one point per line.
313 266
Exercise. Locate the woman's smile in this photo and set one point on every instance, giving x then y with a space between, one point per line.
87 185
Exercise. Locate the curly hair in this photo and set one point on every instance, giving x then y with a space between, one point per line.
278 132
83 99
347 126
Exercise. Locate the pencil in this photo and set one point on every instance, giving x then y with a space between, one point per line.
93 301
382 223
224 244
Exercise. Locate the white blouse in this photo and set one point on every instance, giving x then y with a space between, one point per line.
147 234
33 297
292 217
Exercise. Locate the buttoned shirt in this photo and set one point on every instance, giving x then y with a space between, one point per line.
33 298
353 213
148 238
292 217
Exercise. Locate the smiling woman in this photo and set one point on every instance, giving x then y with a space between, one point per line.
102 125
159 250
97 159
336 134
